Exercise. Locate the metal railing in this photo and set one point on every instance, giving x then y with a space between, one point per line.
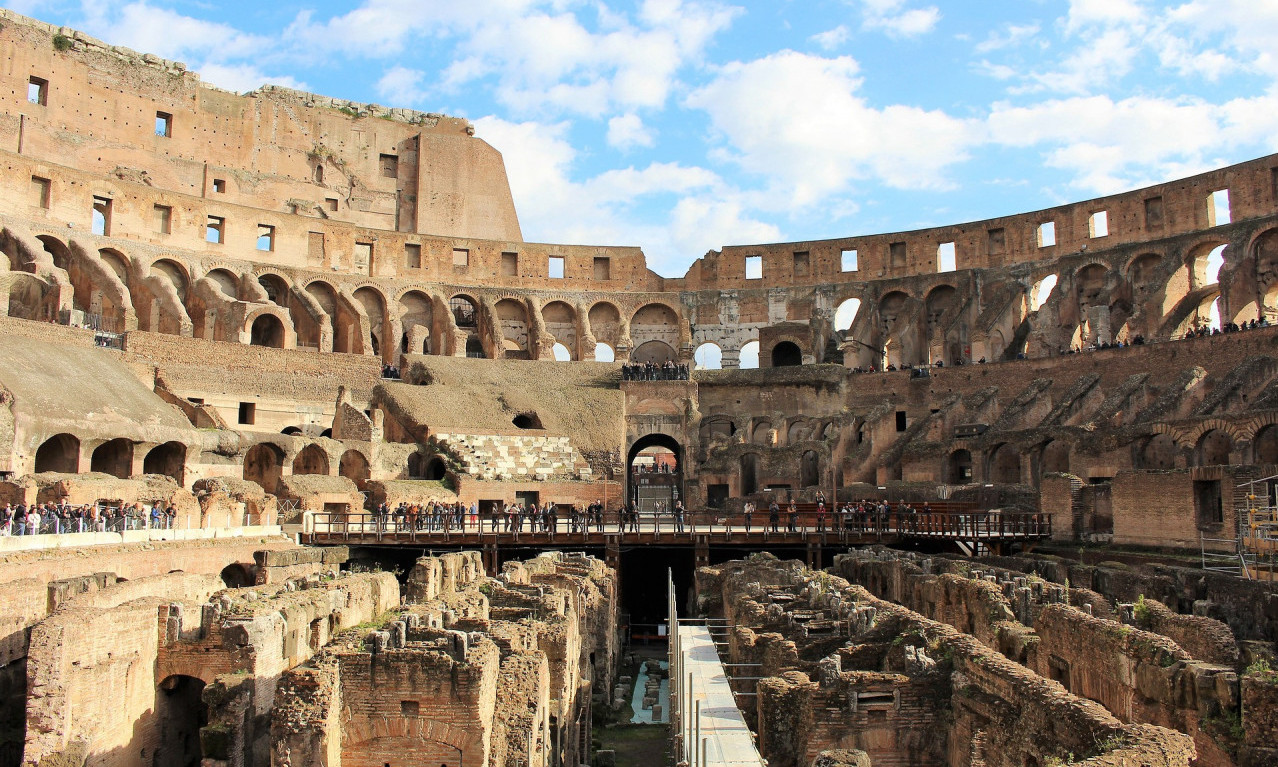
345 526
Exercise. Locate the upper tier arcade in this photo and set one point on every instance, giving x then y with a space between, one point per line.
139 196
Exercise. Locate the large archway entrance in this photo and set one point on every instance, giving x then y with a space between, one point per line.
655 470
114 457
61 453
168 459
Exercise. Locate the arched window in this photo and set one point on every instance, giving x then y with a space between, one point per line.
750 355
708 356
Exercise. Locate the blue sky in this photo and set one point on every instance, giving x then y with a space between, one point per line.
685 125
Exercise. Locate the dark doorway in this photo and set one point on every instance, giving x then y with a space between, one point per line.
655 472
786 354
180 713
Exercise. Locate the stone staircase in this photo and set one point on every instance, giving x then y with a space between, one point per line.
514 457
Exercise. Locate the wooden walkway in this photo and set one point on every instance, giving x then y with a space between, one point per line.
970 531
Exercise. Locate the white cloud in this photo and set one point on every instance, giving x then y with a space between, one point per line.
1109 146
763 109
543 55
895 20
242 78
628 131
171 35
401 86
1012 36
831 38
695 210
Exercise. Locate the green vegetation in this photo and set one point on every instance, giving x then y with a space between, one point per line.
62 42
1260 667
1141 612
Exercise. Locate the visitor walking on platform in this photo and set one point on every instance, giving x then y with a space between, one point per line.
774 516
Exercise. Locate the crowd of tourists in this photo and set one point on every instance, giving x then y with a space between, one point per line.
648 371
57 518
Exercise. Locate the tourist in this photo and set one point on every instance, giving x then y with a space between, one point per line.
749 515
774 516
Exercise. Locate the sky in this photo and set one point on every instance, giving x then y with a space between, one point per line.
681 126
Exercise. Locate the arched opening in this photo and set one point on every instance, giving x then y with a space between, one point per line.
60 453
238 575
1265 445
605 325
845 315
180 713
1265 251
654 322
292 431
560 321
374 305
475 348
750 473
354 466
809 469
1054 459
1005 465
435 469
654 466
891 309
264 464
958 467
1042 291
312 460
319 173
1213 449
749 357
708 356
26 297
267 330
416 317
716 427
114 457
276 289
656 352
168 459
762 434
786 354
1158 453
464 310
604 353
561 353
512 318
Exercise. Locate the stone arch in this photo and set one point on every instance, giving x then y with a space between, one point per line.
114 457
759 435
958 467
605 323
845 314
312 459
1042 291
354 466
374 304
1156 453
168 459
786 354
716 427
27 296
175 273
238 575
276 287
655 352
435 469
1004 465
465 310
708 356
416 320
560 321
891 309
800 430
748 356
604 352
1264 445
60 453
226 281
267 330
512 318
1053 458
1213 448
264 464
117 261
654 322
1204 261
1264 253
